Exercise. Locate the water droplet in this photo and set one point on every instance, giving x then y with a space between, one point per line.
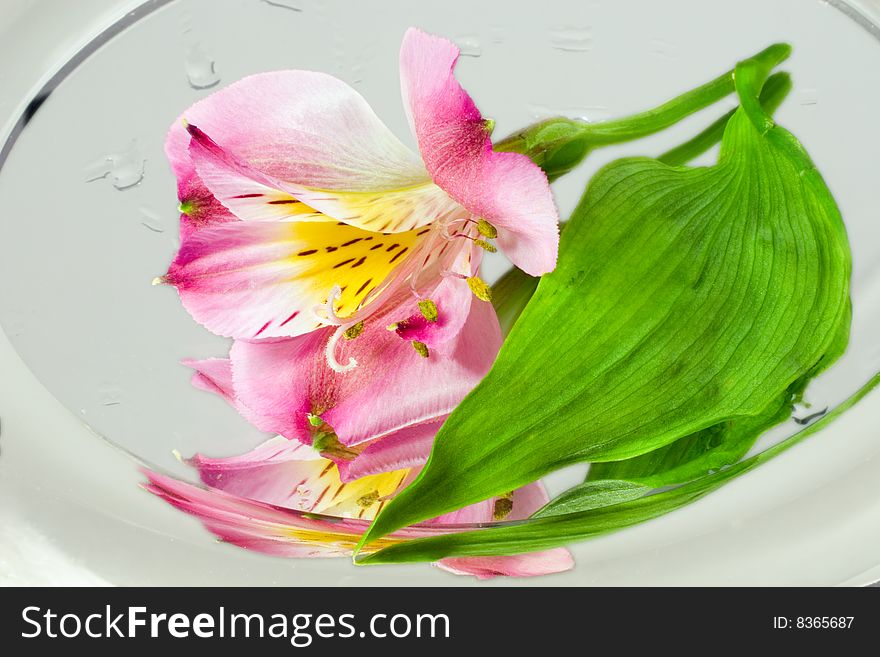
809 97
201 71
588 113
151 220
664 49
571 39
469 45
284 4
125 169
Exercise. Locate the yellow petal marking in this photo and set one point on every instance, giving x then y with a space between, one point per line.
360 498
385 211
330 253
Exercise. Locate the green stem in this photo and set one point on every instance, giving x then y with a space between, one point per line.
559 144
774 92
750 76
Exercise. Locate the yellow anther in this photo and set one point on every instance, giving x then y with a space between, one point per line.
421 348
428 309
486 229
327 443
368 500
486 246
480 288
502 508
392 327
353 331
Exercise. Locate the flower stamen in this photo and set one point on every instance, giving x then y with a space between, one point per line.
354 330
480 288
326 313
330 352
429 310
486 229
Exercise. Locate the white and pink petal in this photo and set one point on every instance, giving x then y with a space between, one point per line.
254 195
264 279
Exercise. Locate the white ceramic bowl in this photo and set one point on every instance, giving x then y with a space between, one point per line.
89 380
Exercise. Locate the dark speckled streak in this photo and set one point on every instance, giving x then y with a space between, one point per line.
399 253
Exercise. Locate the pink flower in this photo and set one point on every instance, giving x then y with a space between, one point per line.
347 270
295 197
379 416
284 499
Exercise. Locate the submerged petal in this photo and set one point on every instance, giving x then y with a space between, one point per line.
292 475
259 525
518 505
406 448
215 375
507 189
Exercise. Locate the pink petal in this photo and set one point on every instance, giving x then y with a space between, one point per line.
532 564
253 195
526 501
453 299
271 473
300 126
283 532
406 448
202 209
258 526
392 386
289 474
319 144
215 375
263 279
506 189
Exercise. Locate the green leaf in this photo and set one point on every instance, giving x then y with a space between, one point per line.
510 294
593 495
683 298
556 530
514 289
718 446
698 454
